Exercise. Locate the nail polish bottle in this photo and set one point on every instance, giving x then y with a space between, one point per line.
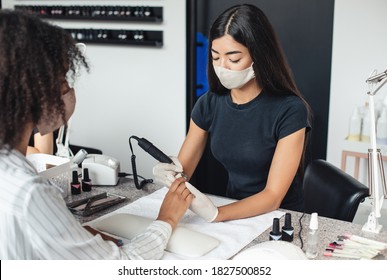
287 229
275 233
75 185
86 182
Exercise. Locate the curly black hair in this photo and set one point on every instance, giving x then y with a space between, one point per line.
36 58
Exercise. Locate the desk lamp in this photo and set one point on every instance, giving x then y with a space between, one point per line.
375 159
63 149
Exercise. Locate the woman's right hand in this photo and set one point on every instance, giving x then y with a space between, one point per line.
166 173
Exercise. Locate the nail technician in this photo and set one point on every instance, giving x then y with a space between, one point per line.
256 118
36 59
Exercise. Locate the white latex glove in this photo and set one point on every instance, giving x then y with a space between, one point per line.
166 173
201 205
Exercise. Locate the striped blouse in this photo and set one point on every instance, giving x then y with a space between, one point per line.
36 224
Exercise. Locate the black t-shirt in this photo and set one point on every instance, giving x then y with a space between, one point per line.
244 138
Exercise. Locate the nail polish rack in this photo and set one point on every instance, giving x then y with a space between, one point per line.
101 13
125 37
105 13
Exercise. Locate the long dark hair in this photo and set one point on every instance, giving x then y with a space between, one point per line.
35 57
249 26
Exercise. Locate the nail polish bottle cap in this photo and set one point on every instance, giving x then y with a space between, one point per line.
313 221
75 177
288 221
86 174
275 229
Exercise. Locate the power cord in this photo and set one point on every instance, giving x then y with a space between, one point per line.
124 174
134 169
300 231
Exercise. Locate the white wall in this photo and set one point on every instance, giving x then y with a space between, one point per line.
359 47
131 90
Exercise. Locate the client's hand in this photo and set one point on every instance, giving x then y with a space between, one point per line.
165 173
176 202
202 205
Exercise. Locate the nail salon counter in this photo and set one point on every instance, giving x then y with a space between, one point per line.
329 229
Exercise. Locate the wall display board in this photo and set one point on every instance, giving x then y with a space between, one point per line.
113 13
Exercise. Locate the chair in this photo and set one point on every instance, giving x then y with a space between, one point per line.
89 150
331 192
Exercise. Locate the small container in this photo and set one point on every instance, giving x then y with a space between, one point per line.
287 229
365 131
381 128
79 157
313 238
355 125
86 182
275 234
75 185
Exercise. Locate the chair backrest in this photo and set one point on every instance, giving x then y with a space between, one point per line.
89 150
331 192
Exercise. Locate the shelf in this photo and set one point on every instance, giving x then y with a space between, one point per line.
118 36
99 13
362 147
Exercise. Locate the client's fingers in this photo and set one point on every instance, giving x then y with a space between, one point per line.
176 184
186 192
183 190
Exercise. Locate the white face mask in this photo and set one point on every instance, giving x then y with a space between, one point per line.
234 79
48 124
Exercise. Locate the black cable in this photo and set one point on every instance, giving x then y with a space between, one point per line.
300 231
134 169
124 174
130 144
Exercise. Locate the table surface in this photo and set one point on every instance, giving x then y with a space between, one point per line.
329 229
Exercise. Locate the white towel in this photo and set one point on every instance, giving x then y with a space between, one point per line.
233 235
